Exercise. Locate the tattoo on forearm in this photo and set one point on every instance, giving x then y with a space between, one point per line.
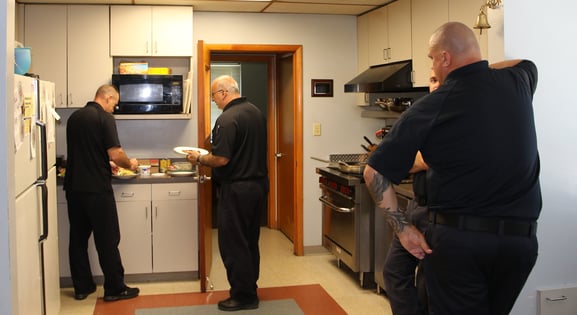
396 218
377 186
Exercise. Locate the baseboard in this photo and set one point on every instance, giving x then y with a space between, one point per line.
315 250
66 282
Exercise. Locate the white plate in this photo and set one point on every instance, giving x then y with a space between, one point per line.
180 173
182 150
157 175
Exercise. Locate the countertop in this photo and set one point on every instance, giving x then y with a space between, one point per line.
166 179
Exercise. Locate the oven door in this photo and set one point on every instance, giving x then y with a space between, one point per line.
339 232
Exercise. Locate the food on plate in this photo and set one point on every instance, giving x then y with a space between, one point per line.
124 172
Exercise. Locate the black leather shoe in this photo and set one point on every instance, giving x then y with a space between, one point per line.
128 293
231 304
82 296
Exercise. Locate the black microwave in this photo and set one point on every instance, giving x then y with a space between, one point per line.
148 94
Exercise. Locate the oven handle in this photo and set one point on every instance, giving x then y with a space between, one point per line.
324 200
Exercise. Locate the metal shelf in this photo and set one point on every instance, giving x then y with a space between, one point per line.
151 116
382 114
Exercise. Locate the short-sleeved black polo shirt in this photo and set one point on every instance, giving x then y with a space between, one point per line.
90 132
240 134
477 134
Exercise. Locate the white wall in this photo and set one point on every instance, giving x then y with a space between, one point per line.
329 52
545 32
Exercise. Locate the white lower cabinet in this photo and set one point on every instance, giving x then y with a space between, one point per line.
158 229
175 228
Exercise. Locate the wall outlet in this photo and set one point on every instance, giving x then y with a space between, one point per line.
316 129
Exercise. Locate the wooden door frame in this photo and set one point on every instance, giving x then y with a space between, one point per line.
204 129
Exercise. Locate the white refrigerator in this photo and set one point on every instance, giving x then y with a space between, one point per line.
36 266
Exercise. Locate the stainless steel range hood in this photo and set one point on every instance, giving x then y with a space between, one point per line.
391 77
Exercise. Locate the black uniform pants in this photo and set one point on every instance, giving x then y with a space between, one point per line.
406 293
94 213
476 273
239 209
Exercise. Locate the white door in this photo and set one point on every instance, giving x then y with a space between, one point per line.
25 131
27 253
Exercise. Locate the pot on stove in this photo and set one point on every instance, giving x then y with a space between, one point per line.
352 168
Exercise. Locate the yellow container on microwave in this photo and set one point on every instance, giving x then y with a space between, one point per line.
133 68
159 70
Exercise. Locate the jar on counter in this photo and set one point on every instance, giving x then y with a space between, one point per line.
164 165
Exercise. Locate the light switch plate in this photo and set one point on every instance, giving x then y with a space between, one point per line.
316 129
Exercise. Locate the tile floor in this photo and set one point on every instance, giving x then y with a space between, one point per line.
279 267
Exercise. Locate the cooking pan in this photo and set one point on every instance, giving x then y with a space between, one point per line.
331 164
352 168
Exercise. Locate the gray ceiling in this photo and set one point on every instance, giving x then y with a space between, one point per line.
346 7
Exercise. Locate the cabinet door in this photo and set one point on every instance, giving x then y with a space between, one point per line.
378 36
130 29
427 16
135 246
45 33
175 235
460 11
64 238
363 52
172 31
89 61
399 30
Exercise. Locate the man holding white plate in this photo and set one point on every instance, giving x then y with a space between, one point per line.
239 162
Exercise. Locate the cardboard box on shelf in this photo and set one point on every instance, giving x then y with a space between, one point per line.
133 68
154 70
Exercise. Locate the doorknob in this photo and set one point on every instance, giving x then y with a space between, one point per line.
278 154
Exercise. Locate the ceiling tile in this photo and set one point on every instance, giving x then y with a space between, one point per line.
314 8
229 6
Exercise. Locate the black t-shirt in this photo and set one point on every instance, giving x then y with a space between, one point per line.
240 134
477 134
90 132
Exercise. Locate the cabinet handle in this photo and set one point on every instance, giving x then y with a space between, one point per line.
155 47
61 99
127 194
174 193
556 299
70 102
146 213
385 54
146 47
389 54
155 213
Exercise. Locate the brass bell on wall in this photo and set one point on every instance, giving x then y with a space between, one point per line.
482 22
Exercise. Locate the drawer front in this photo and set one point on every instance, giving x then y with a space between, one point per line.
135 192
174 191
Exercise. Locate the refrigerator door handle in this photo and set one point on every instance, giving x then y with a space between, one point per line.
44 189
44 149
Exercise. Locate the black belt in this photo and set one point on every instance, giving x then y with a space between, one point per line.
483 224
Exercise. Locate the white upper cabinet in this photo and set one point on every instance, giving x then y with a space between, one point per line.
428 15
45 34
389 33
363 52
89 64
466 12
70 48
151 30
